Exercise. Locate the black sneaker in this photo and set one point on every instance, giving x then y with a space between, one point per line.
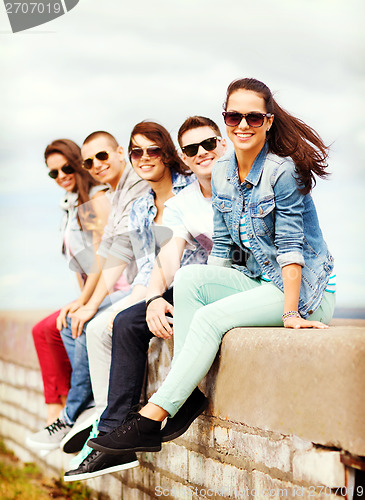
74 441
190 410
137 433
98 464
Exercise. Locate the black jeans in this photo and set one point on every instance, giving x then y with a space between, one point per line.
130 342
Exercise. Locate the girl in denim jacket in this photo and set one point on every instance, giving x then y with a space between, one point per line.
263 207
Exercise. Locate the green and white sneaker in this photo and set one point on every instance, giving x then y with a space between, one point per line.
50 437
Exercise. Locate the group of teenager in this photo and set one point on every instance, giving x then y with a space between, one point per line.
177 245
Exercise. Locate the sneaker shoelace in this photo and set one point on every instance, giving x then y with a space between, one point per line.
90 457
56 426
130 419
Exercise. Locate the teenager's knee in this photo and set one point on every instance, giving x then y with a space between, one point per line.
38 331
188 277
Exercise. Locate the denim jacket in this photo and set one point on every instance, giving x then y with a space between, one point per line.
281 223
147 237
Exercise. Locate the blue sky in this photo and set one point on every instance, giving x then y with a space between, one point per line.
108 65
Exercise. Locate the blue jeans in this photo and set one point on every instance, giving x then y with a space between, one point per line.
80 395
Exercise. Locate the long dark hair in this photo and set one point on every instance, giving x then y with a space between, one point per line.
289 136
158 134
84 182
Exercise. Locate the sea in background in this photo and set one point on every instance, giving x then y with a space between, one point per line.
108 66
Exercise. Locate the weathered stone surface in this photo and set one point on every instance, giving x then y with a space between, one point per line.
243 443
265 487
319 467
16 341
309 382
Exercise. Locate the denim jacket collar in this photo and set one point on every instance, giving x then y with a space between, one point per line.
179 181
254 174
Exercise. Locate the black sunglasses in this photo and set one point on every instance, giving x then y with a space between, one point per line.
66 169
137 153
101 156
208 144
255 120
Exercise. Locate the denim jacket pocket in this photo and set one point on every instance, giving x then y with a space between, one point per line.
225 207
222 204
262 216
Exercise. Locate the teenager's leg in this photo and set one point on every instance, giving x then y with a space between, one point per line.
130 342
190 282
80 393
325 311
41 332
60 360
231 300
99 348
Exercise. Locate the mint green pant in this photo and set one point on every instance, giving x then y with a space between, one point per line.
209 301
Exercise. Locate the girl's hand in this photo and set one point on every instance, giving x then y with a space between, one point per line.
80 317
303 323
70 308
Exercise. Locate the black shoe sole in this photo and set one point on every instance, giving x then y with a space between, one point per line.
76 443
179 432
113 451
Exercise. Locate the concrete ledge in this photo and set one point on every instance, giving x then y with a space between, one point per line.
283 406
309 382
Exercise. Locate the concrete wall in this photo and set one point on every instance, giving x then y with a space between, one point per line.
284 407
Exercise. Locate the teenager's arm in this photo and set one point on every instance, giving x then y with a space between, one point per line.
85 295
289 236
292 276
166 264
112 270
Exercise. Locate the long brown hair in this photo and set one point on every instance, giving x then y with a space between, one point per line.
84 182
289 136
158 134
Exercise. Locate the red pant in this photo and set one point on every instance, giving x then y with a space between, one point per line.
53 359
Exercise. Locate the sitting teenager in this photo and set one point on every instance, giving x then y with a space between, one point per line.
105 161
154 158
85 214
262 204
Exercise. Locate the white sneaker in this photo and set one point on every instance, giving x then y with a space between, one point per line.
50 437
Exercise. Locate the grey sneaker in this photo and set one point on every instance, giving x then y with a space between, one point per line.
50 437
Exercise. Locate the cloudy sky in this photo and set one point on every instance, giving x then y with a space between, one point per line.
107 65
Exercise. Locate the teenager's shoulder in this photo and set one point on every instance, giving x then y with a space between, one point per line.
96 189
182 197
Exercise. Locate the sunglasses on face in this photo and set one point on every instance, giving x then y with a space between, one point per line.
101 156
255 120
208 144
66 169
152 152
